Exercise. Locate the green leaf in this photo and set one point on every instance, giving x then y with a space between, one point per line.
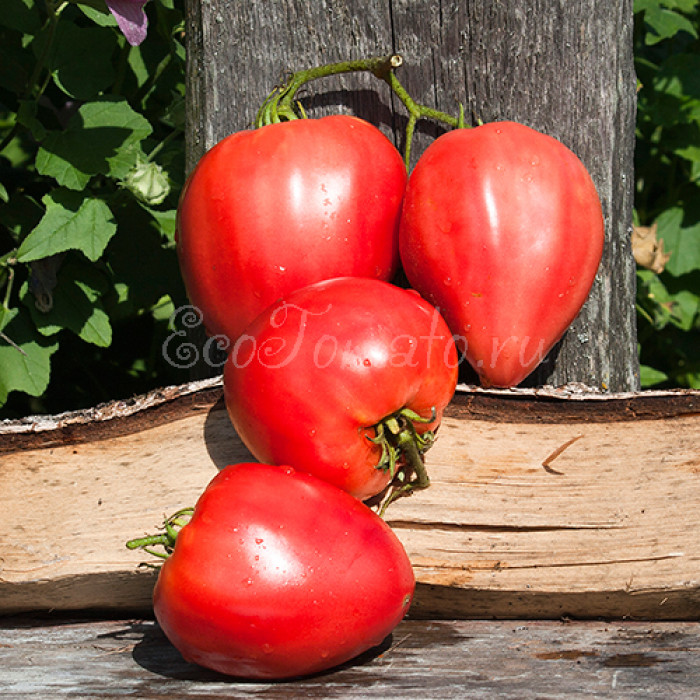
81 60
25 359
101 138
71 221
664 24
690 152
679 75
26 116
97 11
3 194
138 65
649 376
75 304
167 222
140 262
681 5
686 306
681 239
21 15
6 315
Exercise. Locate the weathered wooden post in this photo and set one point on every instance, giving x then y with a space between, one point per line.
563 68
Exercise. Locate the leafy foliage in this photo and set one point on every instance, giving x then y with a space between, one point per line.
91 164
667 51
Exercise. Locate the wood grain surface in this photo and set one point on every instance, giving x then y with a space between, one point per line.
542 504
52 658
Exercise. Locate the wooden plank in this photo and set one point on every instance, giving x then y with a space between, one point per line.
540 506
436 659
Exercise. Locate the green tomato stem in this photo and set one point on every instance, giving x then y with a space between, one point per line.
165 539
402 452
282 104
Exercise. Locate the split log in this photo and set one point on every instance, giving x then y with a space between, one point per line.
543 503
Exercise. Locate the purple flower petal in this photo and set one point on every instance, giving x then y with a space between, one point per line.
131 18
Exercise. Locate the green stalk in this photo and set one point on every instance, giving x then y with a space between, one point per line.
282 103
165 539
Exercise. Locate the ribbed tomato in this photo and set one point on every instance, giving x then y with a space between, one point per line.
346 378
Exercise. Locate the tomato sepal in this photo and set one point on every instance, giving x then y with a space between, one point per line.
403 448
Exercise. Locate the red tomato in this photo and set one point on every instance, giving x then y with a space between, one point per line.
273 209
313 376
502 230
279 574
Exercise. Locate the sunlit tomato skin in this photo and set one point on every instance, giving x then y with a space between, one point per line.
502 230
269 210
279 574
315 371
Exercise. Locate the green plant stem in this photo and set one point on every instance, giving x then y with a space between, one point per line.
282 103
165 539
143 91
159 146
8 287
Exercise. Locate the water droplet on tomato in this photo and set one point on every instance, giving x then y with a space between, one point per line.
324 654
267 648
447 281
258 540
312 432
367 362
535 160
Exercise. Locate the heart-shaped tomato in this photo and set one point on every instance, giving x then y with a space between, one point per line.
502 230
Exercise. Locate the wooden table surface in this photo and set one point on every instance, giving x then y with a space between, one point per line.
55 657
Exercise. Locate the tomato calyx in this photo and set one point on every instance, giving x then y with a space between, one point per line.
282 105
403 448
166 539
